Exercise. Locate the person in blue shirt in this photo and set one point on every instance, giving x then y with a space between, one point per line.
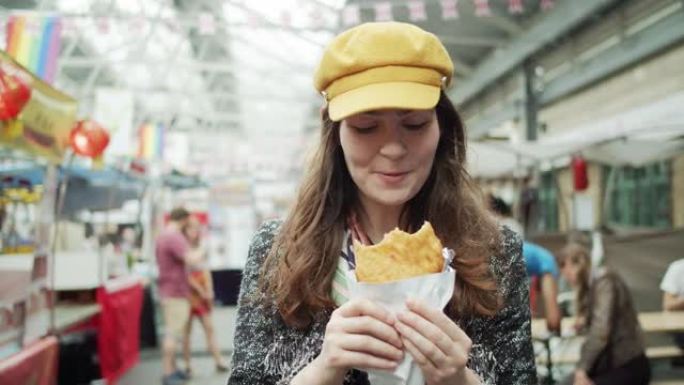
540 263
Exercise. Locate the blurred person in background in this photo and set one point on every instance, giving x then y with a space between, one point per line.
201 297
504 214
173 255
540 265
672 286
613 351
391 154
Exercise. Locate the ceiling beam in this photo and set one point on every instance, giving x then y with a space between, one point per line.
632 49
481 124
472 41
505 24
564 17
462 67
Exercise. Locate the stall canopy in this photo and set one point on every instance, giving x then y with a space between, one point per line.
634 138
103 189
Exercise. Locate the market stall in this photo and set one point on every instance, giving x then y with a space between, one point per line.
58 300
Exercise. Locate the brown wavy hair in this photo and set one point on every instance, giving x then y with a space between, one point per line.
298 272
578 255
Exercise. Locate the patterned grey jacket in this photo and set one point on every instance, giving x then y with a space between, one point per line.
269 352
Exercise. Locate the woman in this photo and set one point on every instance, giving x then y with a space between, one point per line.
201 298
613 351
391 154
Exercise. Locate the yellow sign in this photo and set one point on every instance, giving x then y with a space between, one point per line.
43 126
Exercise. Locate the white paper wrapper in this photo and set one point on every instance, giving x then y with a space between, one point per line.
434 290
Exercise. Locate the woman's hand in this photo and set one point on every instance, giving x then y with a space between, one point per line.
581 378
360 334
437 344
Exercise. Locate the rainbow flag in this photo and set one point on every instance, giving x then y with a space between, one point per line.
151 144
34 41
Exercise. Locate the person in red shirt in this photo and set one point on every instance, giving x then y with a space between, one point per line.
201 297
173 255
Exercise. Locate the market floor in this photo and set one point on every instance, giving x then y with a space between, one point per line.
149 369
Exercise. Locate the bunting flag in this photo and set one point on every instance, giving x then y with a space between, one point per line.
482 8
546 5
253 20
351 15
151 141
515 6
138 24
417 10
286 18
102 25
34 42
383 11
449 9
316 17
207 24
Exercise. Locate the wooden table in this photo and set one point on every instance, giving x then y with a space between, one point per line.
70 315
660 322
651 322
567 347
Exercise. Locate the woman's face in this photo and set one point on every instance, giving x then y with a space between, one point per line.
570 272
389 153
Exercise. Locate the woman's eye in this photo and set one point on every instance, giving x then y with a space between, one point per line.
415 126
364 129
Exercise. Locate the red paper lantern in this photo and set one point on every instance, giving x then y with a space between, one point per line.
14 94
579 173
89 139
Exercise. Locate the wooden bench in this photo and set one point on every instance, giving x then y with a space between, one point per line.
653 353
651 322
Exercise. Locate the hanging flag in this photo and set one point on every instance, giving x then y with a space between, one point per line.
316 17
102 25
482 8
207 24
515 6
449 9
137 25
151 141
34 41
383 11
351 15
286 18
546 5
417 10
253 20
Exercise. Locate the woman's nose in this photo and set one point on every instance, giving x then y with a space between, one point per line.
394 145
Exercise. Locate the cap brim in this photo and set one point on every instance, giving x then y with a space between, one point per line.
402 95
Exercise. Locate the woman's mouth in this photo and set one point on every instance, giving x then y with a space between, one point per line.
391 178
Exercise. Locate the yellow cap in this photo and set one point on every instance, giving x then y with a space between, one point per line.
382 65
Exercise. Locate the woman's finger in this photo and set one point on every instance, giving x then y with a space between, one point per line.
367 344
429 330
361 307
351 359
371 326
423 362
437 317
424 346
